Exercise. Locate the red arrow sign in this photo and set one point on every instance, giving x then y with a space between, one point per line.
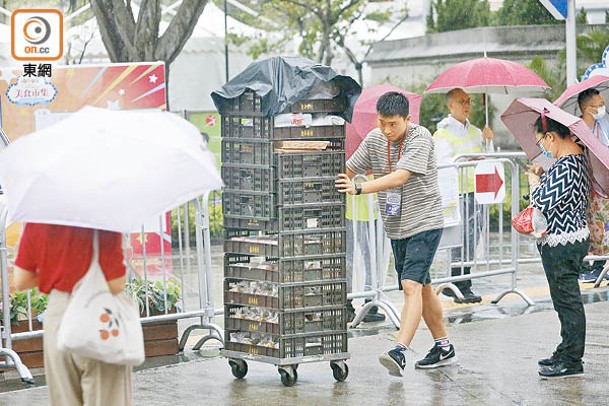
489 182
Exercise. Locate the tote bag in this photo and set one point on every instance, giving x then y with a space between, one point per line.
100 325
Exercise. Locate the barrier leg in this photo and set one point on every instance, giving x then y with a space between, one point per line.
215 332
519 292
13 361
387 306
600 278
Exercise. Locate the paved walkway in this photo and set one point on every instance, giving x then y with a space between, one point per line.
497 366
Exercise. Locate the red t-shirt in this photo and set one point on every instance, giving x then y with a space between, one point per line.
61 255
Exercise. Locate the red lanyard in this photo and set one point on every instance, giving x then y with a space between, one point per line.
389 153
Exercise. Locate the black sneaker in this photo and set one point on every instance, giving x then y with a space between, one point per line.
547 362
561 370
468 297
394 360
437 357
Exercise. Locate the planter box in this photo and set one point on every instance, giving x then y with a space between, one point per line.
161 338
29 350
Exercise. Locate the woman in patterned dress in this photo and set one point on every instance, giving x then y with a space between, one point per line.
561 193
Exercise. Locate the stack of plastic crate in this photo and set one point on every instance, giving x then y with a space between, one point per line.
284 264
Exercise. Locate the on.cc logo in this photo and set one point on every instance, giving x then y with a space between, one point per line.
36 30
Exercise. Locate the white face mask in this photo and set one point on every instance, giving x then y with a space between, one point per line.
600 113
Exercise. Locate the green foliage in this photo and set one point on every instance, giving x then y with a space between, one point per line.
153 292
581 17
216 221
524 12
19 306
590 47
554 76
449 15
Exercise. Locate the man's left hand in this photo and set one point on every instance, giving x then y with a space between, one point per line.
344 185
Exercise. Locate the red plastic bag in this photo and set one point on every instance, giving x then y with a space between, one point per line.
530 221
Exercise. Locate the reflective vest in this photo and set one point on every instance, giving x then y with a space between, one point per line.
463 145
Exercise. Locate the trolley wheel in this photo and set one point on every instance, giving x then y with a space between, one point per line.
340 371
238 367
288 375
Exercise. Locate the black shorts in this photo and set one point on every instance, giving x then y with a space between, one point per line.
414 255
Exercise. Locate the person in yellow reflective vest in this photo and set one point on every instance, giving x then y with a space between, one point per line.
455 135
361 223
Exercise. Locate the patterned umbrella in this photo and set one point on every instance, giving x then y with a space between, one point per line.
568 99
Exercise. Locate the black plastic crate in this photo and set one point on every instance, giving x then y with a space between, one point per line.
312 132
247 127
286 245
248 178
310 164
336 105
285 297
292 347
285 270
306 191
253 319
254 127
249 152
250 103
294 218
249 205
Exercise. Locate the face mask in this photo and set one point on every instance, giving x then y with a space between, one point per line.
545 151
600 113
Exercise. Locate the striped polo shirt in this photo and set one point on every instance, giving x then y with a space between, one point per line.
421 208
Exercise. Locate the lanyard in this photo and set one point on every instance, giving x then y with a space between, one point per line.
389 153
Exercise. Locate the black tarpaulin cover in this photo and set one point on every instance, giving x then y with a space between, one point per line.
282 81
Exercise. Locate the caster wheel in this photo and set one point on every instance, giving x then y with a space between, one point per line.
238 368
287 378
340 374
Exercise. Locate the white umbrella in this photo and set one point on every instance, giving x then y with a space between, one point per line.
106 169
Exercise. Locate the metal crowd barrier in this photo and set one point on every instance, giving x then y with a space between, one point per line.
503 260
201 309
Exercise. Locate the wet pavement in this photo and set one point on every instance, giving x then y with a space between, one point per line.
497 347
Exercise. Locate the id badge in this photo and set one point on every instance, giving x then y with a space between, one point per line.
394 203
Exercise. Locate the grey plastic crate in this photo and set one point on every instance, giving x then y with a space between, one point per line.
305 191
244 151
238 178
290 297
310 164
263 128
285 270
288 245
249 205
292 347
299 322
294 218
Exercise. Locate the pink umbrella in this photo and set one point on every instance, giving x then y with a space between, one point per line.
488 75
568 99
522 114
364 113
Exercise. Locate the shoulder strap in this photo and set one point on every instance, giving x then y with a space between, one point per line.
95 257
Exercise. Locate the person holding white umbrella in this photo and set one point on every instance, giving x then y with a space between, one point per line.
54 258
455 135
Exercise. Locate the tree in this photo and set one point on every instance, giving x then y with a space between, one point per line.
449 15
322 27
523 12
128 39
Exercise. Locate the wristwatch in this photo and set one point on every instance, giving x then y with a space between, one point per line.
358 189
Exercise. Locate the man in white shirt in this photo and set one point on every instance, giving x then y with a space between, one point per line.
455 135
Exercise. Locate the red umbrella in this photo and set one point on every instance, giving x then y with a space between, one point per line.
522 114
364 113
568 99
